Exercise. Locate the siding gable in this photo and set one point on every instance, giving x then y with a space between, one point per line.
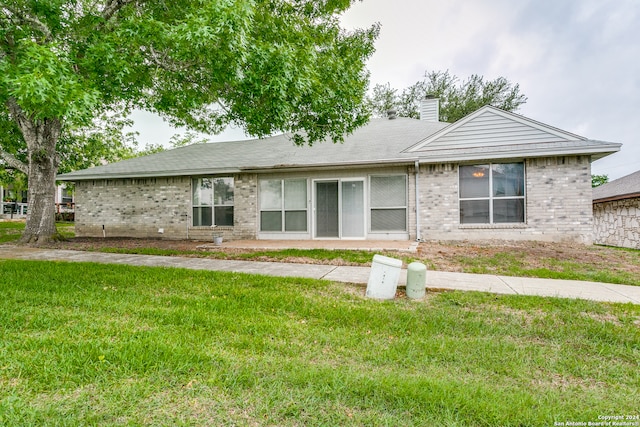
491 127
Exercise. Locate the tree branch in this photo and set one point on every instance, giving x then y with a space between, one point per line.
24 17
113 6
12 162
163 61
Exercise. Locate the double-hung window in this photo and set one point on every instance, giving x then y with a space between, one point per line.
492 194
213 201
283 205
388 203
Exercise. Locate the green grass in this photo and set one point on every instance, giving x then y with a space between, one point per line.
516 264
513 263
10 231
87 344
502 263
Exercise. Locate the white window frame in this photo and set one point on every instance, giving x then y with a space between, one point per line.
491 198
282 209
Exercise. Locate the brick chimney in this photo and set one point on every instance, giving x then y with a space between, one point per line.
430 109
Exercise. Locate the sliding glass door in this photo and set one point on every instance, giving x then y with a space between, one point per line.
339 208
327 211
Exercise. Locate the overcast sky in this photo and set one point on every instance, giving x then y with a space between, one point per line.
577 61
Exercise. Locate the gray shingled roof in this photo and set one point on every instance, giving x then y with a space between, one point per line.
622 188
381 141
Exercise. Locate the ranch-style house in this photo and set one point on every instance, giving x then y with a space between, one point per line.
491 175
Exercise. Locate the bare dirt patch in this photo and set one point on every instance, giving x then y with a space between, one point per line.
531 255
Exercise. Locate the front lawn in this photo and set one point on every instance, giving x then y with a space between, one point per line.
526 259
87 344
10 231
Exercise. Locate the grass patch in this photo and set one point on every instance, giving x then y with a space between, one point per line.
518 264
11 231
88 344
66 229
589 263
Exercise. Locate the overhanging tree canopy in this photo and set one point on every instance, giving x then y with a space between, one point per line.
266 65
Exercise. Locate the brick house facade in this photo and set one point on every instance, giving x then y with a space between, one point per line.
491 175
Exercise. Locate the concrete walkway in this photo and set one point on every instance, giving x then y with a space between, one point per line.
436 280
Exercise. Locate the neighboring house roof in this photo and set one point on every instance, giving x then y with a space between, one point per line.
626 187
381 141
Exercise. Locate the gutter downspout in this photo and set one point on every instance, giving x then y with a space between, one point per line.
417 178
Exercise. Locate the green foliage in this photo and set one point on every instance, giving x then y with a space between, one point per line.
104 140
457 99
268 66
598 180
41 78
87 344
187 138
11 177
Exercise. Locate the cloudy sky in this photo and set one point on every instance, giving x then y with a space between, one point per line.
577 61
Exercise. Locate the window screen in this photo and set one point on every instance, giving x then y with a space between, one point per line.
388 203
283 205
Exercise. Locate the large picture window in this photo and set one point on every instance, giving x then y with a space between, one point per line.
283 205
213 201
388 203
492 194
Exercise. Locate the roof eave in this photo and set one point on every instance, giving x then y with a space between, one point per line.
595 153
150 174
618 197
243 169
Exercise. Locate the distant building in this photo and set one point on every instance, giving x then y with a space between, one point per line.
616 212
14 203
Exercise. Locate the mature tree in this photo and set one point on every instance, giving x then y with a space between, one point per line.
265 65
457 99
598 180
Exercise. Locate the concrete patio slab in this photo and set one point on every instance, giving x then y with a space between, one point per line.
352 245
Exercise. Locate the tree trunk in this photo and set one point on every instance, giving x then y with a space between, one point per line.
41 136
41 223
